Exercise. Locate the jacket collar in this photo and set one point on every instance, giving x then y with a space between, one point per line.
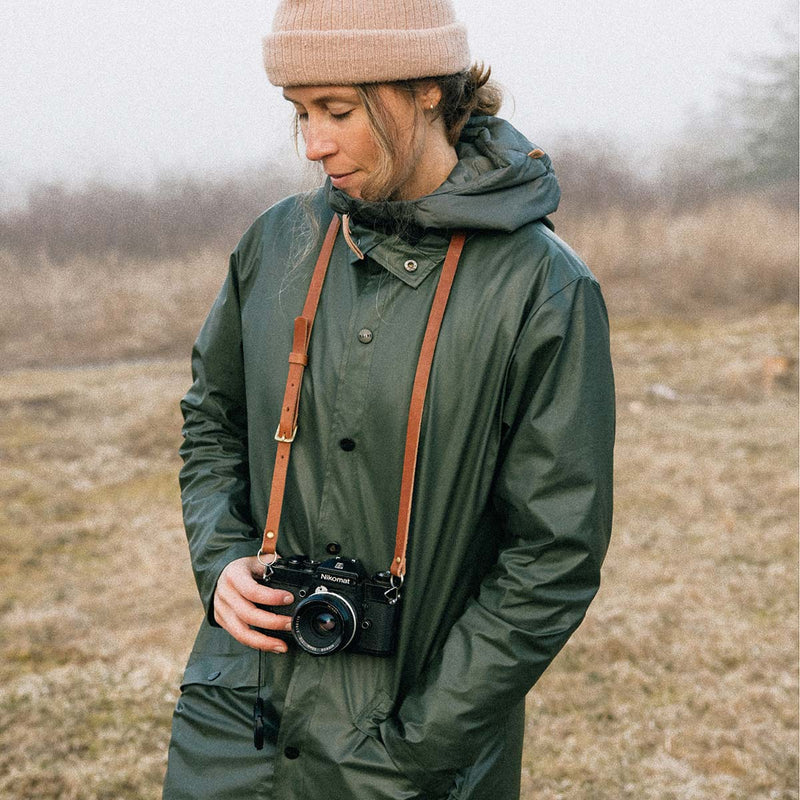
409 261
501 182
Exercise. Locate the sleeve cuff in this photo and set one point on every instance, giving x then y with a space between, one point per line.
242 549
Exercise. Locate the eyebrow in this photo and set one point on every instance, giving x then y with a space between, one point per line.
327 98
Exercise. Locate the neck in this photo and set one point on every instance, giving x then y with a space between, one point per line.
436 162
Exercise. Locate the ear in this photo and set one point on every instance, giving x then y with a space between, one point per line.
430 95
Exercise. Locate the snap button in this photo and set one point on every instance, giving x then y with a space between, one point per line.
410 265
291 752
333 548
347 445
365 336
213 676
537 153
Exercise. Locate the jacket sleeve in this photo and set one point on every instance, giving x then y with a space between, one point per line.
215 487
553 497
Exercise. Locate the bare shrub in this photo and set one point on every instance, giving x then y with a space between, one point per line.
750 137
595 175
737 254
176 218
103 273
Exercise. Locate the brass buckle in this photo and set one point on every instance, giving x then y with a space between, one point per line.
279 438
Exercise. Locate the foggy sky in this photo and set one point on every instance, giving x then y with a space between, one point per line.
129 89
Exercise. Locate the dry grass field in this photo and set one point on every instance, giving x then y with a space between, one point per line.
681 684
736 256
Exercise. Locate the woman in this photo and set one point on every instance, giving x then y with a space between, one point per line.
509 518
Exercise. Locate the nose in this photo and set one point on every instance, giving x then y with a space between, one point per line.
319 142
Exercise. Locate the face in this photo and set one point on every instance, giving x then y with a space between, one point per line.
337 133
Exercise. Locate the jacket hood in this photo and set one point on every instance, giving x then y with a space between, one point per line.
501 182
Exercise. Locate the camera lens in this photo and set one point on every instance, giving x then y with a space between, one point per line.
324 623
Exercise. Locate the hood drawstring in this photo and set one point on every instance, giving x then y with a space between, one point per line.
349 239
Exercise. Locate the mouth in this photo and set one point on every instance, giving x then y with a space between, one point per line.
337 179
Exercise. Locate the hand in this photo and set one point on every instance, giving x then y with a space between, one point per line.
235 607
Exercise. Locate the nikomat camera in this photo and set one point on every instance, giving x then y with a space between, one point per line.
336 605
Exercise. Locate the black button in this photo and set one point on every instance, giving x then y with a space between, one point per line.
291 752
334 548
347 445
214 675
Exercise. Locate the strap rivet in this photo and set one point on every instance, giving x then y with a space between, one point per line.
270 535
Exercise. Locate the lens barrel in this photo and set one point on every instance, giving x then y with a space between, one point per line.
324 623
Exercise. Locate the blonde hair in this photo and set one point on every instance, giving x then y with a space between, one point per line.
463 94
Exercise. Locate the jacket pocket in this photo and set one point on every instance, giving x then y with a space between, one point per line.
368 722
232 672
375 712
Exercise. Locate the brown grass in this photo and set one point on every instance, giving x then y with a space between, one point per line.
738 256
681 685
95 312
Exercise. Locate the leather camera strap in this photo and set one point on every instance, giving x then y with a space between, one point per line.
398 568
298 359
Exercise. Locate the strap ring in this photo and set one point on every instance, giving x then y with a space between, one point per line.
392 594
266 563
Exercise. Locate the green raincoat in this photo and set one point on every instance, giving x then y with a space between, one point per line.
512 505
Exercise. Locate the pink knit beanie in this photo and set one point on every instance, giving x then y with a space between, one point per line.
332 42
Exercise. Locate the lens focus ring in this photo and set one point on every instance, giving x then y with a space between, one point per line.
324 623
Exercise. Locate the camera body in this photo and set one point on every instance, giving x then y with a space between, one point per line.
337 605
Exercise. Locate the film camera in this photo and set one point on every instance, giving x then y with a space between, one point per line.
336 606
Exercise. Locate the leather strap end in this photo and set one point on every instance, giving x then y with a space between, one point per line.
268 543
398 568
298 360
302 327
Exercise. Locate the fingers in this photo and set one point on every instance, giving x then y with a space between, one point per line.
249 637
240 576
235 607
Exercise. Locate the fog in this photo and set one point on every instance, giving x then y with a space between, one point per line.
128 90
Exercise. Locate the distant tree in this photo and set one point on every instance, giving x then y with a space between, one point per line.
596 174
765 110
750 139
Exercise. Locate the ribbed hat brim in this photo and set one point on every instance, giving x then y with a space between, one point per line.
346 57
